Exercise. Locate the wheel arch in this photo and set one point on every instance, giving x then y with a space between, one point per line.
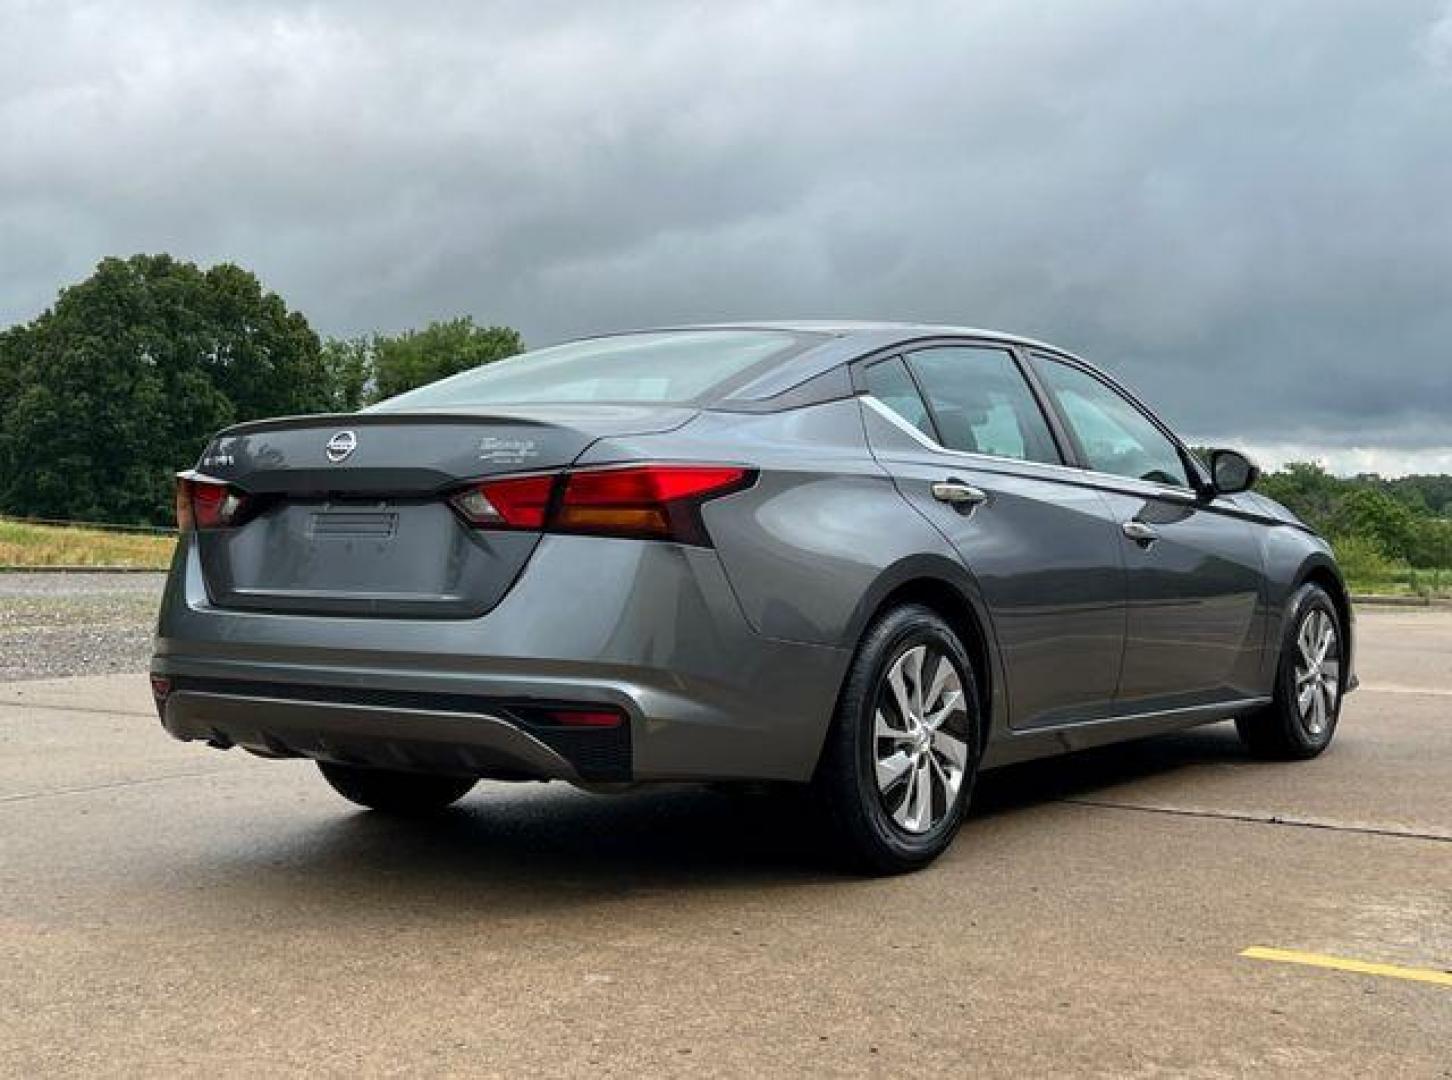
946 589
1320 569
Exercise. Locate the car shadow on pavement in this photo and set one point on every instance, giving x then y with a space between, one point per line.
530 847
555 845
1082 774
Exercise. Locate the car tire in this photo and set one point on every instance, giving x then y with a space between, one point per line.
896 729
1300 721
391 791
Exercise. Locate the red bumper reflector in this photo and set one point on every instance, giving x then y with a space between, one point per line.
587 718
160 687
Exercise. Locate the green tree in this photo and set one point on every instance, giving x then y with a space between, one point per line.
1373 514
1307 490
1434 492
1432 543
125 378
440 349
361 370
264 358
13 348
349 363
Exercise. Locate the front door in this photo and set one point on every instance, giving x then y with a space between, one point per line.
1193 568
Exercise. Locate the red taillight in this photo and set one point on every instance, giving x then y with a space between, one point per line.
518 502
652 501
206 504
658 502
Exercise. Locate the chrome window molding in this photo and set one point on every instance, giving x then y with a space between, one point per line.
1070 473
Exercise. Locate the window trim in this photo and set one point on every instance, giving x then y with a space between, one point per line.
1066 472
900 359
902 352
1073 467
1193 473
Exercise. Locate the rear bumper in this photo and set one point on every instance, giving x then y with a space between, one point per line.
474 743
650 629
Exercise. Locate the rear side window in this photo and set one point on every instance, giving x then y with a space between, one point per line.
890 383
982 404
673 367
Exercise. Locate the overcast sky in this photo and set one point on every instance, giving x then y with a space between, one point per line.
1244 208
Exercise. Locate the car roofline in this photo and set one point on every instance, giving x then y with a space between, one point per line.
873 329
840 341
844 343
876 328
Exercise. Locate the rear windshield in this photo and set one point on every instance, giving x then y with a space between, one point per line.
668 367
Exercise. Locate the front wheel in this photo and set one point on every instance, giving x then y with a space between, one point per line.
1301 720
392 791
900 759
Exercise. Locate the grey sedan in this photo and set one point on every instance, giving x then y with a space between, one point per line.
866 559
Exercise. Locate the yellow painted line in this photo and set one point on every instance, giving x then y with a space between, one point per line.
1339 963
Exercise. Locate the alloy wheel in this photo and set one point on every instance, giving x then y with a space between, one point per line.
1318 671
920 739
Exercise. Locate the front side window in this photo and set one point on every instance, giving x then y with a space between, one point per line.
890 383
982 404
659 367
1113 434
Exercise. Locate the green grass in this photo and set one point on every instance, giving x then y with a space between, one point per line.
25 544
1432 584
1368 570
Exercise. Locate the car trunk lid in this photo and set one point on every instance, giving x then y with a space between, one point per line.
349 514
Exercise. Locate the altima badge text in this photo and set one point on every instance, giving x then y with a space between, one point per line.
506 451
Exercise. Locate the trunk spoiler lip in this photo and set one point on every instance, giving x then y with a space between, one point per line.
534 416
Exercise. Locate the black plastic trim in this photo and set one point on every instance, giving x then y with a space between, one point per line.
600 754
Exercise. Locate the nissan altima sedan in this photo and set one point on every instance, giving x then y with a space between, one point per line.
872 559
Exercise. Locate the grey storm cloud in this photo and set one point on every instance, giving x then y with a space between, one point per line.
1244 208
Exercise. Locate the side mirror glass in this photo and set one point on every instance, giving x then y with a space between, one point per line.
1231 472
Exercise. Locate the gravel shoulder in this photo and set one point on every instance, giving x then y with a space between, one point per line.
54 625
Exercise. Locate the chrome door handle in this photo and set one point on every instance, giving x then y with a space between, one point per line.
958 494
1142 534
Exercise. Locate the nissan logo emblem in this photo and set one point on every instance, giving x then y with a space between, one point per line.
341 445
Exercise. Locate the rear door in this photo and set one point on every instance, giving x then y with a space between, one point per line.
968 445
1193 567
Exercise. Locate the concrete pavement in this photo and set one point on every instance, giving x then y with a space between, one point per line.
170 908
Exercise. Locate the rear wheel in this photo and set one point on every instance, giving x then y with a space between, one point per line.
1301 720
899 763
394 792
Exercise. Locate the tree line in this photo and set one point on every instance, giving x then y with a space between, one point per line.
122 380
1383 530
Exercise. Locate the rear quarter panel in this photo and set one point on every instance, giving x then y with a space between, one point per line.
824 537
823 522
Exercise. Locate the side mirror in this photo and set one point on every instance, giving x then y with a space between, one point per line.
1231 472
